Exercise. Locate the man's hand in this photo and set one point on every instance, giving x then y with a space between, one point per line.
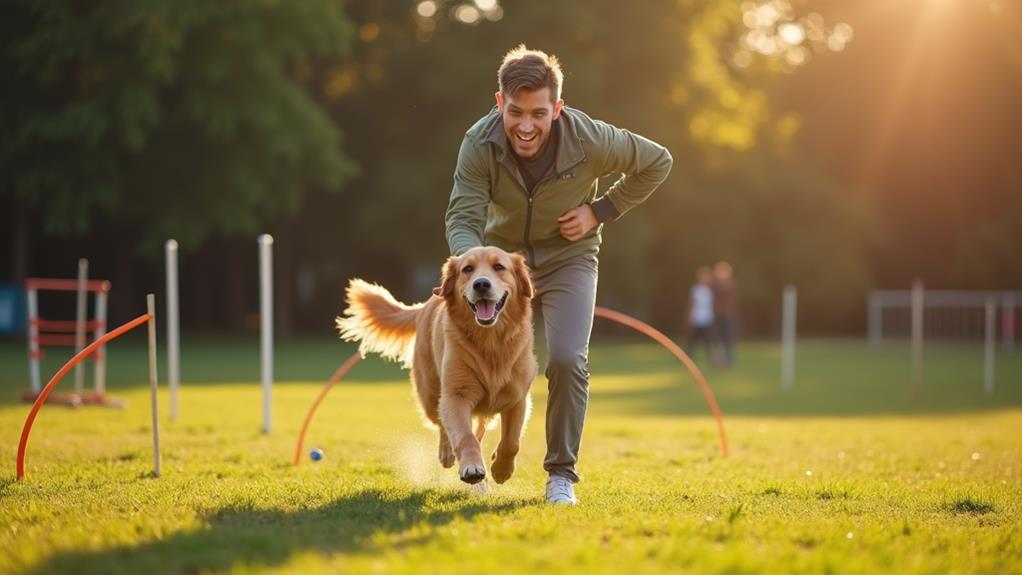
577 222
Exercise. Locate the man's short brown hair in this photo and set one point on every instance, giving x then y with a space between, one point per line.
530 70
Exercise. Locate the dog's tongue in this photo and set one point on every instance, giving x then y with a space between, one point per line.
484 309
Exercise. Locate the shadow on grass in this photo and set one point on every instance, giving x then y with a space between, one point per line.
268 538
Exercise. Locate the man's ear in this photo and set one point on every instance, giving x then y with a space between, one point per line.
522 275
448 276
558 107
500 100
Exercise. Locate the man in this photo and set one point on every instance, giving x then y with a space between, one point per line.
725 308
526 181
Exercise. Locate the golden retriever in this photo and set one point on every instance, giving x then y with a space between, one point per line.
469 347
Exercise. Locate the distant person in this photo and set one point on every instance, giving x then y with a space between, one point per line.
725 309
700 312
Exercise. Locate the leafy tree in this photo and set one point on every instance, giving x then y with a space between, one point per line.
167 118
660 68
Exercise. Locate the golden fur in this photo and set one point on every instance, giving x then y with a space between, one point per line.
460 368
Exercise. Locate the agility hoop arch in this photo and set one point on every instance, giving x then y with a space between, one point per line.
665 341
79 357
603 312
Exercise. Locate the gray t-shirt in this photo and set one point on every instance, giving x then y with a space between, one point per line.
535 169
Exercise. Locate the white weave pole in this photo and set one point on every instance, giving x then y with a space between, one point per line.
266 330
81 311
33 340
917 334
788 317
100 374
988 355
150 301
173 336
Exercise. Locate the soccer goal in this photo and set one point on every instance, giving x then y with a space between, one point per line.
950 315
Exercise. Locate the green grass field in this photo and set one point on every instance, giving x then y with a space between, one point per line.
851 471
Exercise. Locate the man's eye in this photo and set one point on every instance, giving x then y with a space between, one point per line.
467 269
498 267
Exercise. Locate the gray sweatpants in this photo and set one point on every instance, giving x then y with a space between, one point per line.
565 297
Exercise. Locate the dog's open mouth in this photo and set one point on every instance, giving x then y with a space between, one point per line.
486 310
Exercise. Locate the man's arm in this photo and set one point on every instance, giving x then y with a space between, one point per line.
466 212
643 163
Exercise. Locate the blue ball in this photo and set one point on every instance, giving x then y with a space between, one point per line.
316 454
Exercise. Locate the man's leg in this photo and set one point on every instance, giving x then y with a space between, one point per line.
727 325
567 296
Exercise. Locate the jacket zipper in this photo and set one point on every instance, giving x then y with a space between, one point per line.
531 196
531 254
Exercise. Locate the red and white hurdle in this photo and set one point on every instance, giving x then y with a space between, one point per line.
43 333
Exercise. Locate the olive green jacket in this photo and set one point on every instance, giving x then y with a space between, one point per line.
490 205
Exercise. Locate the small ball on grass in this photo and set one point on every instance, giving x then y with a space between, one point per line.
316 454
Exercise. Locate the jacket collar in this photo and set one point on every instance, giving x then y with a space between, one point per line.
569 146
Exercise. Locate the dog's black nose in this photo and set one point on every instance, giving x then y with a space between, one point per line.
481 285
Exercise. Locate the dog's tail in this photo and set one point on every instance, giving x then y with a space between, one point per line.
379 322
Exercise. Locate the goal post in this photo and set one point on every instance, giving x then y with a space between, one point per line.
945 315
953 315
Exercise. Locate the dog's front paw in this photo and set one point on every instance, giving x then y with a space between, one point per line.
502 468
472 473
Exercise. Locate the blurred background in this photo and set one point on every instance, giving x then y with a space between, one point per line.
839 146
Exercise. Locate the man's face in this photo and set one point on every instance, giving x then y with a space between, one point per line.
528 117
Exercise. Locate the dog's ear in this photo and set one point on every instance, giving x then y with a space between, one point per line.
522 275
448 276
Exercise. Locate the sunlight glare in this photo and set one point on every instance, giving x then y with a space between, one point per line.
791 33
836 43
467 14
767 15
495 14
426 8
742 58
796 56
843 31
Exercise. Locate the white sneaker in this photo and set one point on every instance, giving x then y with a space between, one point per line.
560 490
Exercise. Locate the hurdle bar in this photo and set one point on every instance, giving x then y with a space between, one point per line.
49 333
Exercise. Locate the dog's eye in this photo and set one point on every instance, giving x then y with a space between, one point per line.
498 267
467 269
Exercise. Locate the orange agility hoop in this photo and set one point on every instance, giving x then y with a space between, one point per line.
678 353
80 356
603 312
347 365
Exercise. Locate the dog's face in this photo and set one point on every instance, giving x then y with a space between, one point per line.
485 280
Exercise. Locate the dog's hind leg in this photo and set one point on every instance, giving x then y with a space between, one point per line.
427 388
512 420
446 452
481 423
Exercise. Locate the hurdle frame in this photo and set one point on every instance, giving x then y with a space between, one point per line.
38 327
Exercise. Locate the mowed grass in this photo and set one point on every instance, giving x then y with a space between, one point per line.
851 471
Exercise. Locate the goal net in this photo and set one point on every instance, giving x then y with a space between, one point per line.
952 315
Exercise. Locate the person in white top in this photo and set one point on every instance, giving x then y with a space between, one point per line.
700 312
